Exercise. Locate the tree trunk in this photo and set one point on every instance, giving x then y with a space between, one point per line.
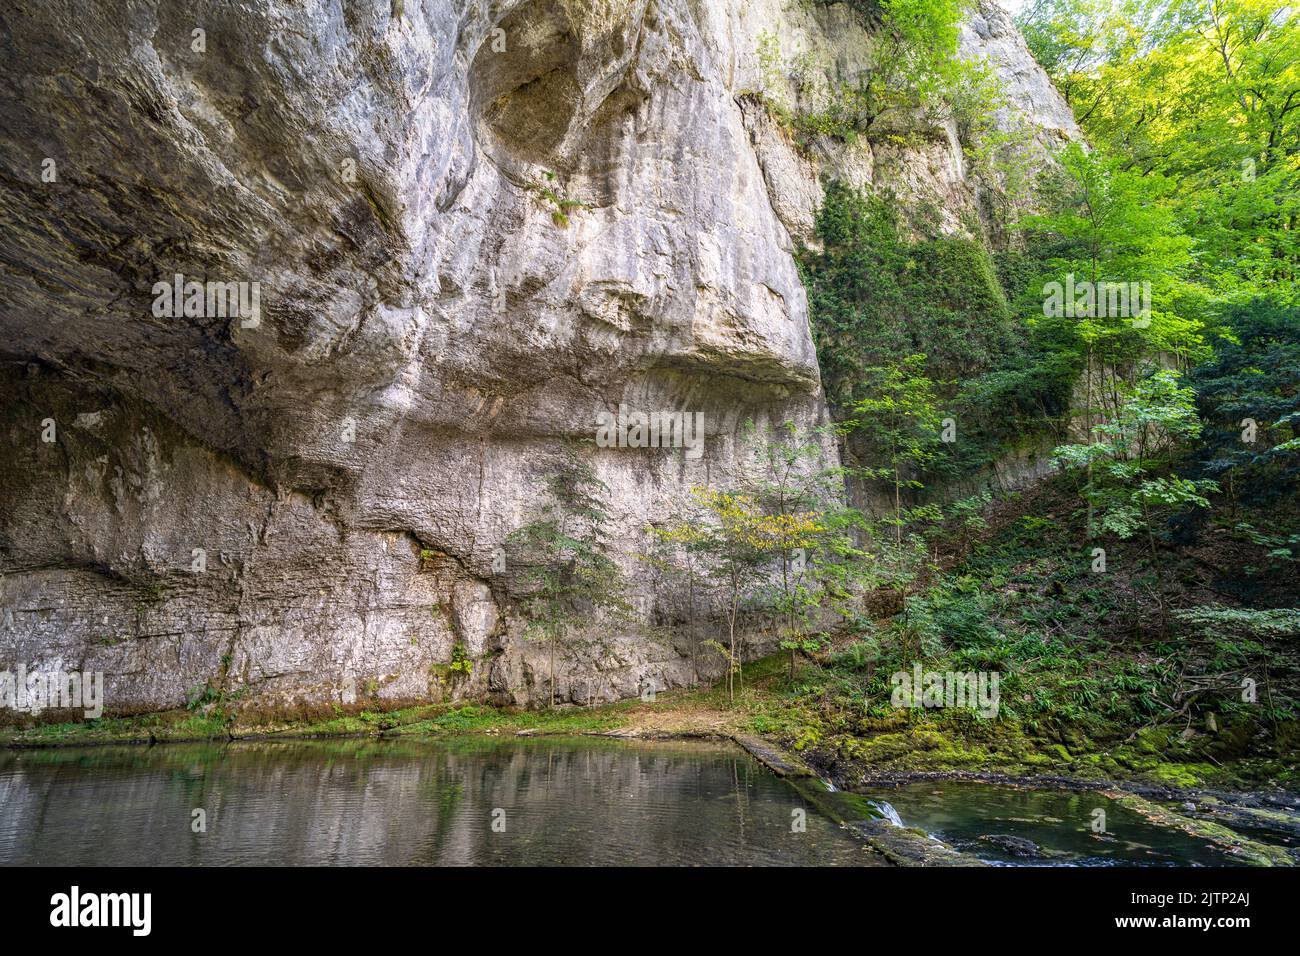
1087 431
785 583
898 515
695 643
553 639
731 645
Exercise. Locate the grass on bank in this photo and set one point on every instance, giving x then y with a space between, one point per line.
796 717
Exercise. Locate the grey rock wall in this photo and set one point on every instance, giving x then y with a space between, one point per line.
473 227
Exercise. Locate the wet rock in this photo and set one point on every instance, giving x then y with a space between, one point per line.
1013 845
904 846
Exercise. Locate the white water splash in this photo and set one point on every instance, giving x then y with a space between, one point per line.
888 811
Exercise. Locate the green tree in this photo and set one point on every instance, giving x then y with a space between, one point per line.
898 421
568 559
1206 95
738 550
1121 483
804 526
679 550
1249 397
1109 226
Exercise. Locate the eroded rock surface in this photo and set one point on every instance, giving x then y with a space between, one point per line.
473 226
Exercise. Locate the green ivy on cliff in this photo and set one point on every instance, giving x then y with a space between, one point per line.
875 297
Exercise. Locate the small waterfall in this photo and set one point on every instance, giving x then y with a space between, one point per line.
887 810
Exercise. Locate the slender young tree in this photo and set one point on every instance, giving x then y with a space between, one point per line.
678 553
1121 483
568 557
738 552
899 420
805 525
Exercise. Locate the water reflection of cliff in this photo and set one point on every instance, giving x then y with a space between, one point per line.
404 803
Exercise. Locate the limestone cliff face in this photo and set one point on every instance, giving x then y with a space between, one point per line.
923 158
473 227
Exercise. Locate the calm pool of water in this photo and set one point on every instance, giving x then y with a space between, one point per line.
544 801
467 801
